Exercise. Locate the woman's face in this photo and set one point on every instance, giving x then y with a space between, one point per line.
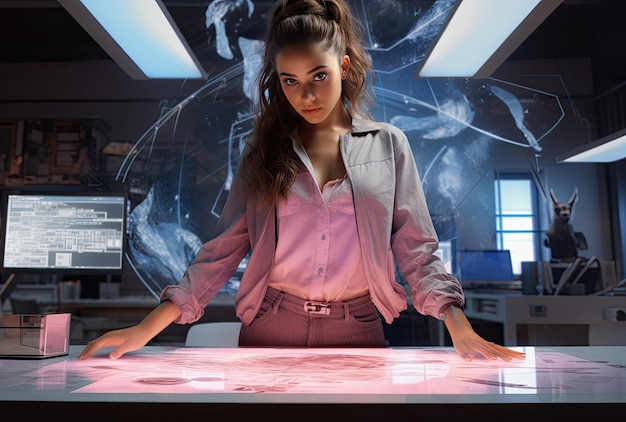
311 81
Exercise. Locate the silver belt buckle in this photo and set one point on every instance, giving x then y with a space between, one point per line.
317 308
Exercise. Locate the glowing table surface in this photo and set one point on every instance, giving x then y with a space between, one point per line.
315 377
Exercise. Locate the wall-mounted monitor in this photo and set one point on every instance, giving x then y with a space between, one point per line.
72 233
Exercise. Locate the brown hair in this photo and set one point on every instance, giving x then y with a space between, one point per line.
270 166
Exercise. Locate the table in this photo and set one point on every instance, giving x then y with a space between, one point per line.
125 306
93 317
120 306
316 384
548 320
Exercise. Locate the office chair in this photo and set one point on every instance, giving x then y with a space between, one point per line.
213 334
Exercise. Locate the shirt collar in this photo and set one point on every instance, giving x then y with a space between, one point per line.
361 125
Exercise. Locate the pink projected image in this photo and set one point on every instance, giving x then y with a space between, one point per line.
335 371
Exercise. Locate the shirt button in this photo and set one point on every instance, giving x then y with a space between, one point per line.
320 270
323 237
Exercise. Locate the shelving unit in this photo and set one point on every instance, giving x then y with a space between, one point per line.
50 151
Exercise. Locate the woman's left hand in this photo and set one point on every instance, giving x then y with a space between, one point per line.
470 345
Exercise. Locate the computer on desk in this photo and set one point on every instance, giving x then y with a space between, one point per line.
63 234
66 236
487 269
69 233
74 234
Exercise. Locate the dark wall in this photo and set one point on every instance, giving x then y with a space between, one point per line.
99 89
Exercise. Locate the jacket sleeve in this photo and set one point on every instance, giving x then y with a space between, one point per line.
414 240
216 261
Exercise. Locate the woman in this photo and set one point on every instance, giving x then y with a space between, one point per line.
326 201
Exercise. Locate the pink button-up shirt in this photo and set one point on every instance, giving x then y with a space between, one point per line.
392 220
318 255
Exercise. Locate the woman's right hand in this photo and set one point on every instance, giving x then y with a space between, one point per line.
134 338
124 340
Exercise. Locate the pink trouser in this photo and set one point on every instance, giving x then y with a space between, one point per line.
289 321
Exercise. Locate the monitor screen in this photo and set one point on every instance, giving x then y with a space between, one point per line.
66 233
486 266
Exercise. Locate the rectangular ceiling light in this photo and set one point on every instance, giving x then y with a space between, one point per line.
605 150
140 35
481 34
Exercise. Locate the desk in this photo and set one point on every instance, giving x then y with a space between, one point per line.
582 320
316 384
93 317
130 306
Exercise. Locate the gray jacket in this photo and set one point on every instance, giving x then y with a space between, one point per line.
393 223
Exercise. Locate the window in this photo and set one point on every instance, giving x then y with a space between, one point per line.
445 254
517 218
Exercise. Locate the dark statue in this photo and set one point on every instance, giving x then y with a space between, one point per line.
562 240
